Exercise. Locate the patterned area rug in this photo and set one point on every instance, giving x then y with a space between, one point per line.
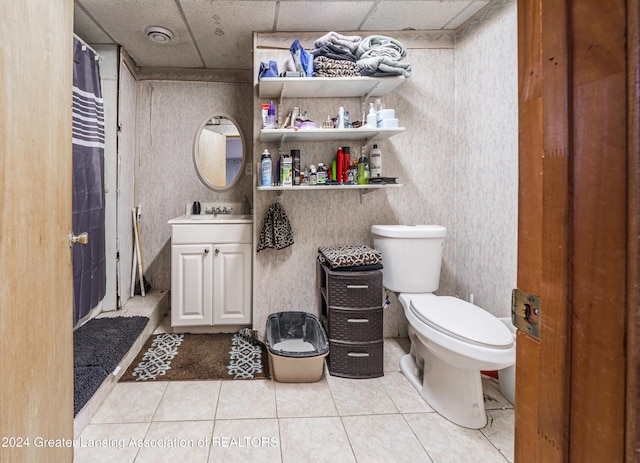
184 357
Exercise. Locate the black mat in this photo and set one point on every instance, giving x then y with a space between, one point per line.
98 347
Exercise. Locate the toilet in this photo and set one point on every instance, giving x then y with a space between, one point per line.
451 339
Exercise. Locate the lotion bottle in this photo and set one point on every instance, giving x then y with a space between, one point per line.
372 117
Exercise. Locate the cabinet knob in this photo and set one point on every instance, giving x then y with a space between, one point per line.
206 251
217 251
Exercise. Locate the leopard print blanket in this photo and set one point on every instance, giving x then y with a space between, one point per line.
349 256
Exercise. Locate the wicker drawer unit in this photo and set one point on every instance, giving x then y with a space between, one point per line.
351 310
355 325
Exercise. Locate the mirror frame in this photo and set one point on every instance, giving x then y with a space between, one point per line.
196 153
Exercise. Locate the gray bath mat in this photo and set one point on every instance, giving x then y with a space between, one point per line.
98 347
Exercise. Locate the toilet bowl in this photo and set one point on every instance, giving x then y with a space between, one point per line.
451 340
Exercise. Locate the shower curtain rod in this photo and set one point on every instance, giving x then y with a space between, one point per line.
86 45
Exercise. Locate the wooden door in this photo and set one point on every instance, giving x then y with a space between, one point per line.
574 216
36 341
212 157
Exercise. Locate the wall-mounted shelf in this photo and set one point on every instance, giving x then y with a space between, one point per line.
309 135
363 189
371 186
326 87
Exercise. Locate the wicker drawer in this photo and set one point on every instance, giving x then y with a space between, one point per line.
364 360
355 325
355 290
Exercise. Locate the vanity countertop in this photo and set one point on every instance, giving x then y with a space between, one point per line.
212 219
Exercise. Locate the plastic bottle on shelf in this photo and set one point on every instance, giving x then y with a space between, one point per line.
321 174
346 163
286 169
340 166
265 169
372 117
351 176
363 170
376 161
340 118
313 175
272 116
295 156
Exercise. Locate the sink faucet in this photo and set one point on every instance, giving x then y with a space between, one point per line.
216 210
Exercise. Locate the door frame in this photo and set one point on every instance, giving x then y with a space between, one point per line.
632 425
577 387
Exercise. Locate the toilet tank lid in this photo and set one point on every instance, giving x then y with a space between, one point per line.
409 231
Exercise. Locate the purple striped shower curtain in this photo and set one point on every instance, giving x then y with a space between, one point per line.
89 261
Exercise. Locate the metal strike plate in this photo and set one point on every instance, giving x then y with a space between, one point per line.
525 312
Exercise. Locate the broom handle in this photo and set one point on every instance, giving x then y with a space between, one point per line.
139 250
134 265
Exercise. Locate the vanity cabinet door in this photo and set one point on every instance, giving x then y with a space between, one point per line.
191 273
231 284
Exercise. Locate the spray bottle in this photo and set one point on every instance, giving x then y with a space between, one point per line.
265 169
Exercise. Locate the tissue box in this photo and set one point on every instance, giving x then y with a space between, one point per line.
384 123
385 114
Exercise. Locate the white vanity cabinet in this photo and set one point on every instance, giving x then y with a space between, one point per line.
210 275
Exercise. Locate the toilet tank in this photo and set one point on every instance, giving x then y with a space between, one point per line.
411 256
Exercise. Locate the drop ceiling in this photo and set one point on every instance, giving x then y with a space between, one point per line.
213 34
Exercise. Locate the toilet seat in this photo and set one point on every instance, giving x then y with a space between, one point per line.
461 320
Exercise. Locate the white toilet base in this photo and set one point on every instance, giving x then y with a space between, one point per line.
454 393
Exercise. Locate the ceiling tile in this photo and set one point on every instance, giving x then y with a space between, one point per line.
223 29
418 15
126 20
465 14
322 16
86 29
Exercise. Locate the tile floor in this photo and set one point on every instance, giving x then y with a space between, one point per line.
334 420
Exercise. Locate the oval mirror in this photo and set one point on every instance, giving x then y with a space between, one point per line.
218 152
